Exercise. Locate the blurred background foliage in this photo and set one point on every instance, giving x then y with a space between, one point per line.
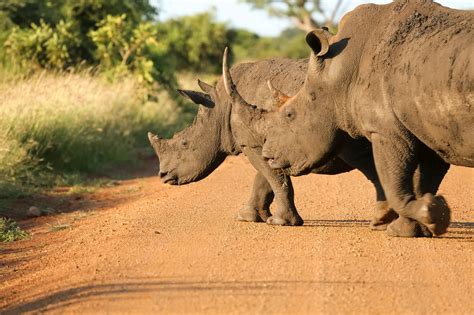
82 81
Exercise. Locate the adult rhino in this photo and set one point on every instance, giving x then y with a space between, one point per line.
401 76
195 152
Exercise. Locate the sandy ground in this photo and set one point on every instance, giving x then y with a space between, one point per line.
145 247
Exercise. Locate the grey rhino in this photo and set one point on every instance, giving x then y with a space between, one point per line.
399 75
196 151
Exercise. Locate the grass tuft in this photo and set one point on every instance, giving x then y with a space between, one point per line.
10 231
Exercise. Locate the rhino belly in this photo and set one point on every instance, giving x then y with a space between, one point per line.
443 123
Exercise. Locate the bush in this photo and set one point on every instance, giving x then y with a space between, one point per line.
122 48
42 46
9 231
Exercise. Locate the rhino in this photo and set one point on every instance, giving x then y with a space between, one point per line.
197 151
398 75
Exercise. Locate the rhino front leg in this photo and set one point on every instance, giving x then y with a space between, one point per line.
285 213
396 162
257 208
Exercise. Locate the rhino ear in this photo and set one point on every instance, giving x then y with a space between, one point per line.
198 98
206 87
279 98
318 40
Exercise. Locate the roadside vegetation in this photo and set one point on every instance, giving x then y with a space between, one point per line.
10 231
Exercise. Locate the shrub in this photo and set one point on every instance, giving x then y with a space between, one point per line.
42 46
10 231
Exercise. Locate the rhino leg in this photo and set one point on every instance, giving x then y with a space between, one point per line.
383 216
396 161
286 213
257 208
358 154
430 175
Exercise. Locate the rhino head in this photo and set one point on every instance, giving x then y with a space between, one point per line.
195 152
300 131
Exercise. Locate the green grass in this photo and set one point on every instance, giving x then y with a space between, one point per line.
10 231
56 127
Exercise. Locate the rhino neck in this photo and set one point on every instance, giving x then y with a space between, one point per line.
228 143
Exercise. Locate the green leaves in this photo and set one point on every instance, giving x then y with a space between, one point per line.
9 231
121 47
42 46
195 43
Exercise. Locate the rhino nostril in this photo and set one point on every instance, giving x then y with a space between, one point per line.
162 174
266 155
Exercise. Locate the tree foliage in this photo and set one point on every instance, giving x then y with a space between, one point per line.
42 46
306 14
121 47
196 42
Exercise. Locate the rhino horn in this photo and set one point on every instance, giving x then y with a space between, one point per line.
154 140
206 87
229 85
279 98
318 40
198 98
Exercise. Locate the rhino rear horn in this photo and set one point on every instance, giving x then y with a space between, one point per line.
198 98
209 89
318 40
279 98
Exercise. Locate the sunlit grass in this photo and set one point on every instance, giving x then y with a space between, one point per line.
61 124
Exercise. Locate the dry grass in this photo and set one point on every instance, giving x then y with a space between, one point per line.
69 123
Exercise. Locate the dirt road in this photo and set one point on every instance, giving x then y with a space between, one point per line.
145 247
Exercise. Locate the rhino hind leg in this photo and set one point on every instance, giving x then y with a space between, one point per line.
396 163
405 227
257 208
383 216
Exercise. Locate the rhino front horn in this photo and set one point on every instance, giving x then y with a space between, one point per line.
154 139
229 85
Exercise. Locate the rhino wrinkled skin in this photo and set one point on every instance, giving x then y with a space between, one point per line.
399 75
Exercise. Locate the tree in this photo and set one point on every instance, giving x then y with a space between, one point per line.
306 14
195 42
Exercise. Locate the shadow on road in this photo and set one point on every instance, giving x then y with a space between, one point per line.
131 288
337 223
457 230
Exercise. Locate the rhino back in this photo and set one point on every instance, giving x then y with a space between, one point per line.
415 66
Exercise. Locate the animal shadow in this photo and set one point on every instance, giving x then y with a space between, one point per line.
337 223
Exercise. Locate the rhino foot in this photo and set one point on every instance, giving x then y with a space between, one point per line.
293 221
383 216
434 213
404 227
250 214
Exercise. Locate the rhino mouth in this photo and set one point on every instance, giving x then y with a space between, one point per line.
168 178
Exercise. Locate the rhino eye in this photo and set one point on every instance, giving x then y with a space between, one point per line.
184 144
290 115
